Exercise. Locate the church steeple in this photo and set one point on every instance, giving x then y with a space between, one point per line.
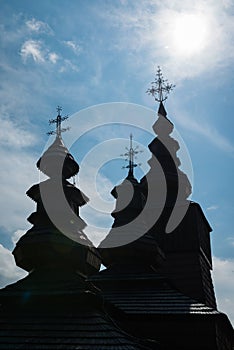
57 227
129 200
55 306
171 184
127 245
180 227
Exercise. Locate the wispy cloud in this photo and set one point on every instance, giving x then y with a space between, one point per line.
97 212
152 26
32 49
9 272
68 65
16 236
37 50
17 174
37 26
77 49
206 130
231 241
224 285
13 135
53 57
213 207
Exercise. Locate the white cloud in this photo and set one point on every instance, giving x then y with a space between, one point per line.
14 135
224 285
231 241
9 272
38 26
68 65
96 234
16 235
97 187
227 3
17 174
36 50
212 207
74 46
204 129
53 57
32 48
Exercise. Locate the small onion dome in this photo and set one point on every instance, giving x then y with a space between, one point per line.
127 183
57 160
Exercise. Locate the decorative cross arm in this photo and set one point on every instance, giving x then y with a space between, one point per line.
58 121
130 156
160 88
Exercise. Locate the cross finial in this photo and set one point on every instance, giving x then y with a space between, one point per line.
130 155
58 121
59 110
160 88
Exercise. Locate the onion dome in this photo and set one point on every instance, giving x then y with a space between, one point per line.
164 163
128 195
57 160
56 240
127 241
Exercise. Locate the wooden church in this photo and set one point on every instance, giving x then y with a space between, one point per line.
156 291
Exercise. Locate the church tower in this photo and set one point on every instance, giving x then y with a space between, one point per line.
126 242
161 281
156 291
55 307
57 227
181 230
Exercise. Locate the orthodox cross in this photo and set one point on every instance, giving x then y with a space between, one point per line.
160 87
58 121
130 155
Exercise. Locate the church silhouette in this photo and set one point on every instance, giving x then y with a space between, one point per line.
156 291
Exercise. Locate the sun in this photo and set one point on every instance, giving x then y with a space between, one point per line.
190 34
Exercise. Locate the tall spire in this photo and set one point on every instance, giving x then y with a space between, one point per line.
58 121
57 226
160 88
130 155
169 185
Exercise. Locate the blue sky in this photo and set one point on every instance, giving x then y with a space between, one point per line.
80 54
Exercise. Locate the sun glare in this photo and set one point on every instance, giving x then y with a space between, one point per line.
190 34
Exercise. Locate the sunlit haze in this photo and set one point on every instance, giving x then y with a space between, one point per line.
190 35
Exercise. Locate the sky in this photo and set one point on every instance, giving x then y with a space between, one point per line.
97 59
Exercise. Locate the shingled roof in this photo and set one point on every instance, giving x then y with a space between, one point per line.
147 294
150 305
46 311
77 330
